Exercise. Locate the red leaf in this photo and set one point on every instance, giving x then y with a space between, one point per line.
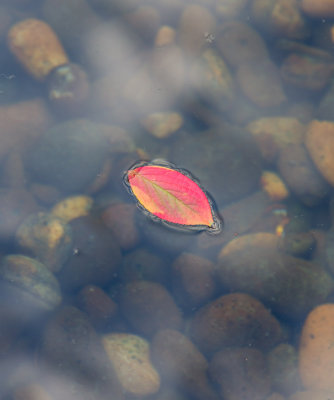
172 196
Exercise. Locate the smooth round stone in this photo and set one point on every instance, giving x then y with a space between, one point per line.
319 141
130 357
194 280
238 371
282 363
316 351
99 307
149 307
225 160
95 256
35 285
253 264
182 364
72 207
280 18
235 319
273 134
240 44
69 156
300 174
47 237
71 345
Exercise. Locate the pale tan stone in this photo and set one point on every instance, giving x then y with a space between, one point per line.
36 46
319 141
275 133
163 124
129 355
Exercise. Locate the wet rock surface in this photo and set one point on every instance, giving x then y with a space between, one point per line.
149 307
46 237
69 155
241 373
72 349
316 354
95 255
289 285
226 162
129 355
235 319
182 364
32 285
194 281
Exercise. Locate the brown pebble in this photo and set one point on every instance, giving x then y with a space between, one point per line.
99 307
273 134
316 351
239 371
261 83
234 320
282 364
181 364
95 257
119 218
72 347
149 307
240 44
196 24
19 132
193 280
319 141
300 174
142 264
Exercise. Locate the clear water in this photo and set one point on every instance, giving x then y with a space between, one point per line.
220 89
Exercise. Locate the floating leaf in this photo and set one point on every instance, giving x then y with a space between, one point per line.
172 196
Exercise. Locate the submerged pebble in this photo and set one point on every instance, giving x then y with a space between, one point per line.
119 218
316 352
36 46
73 349
300 174
130 357
235 319
283 369
253 264
47 237
95 255
193 278
319 141
99 307
181 364
149 307
281 18
35 287
272 134
69 156
241 373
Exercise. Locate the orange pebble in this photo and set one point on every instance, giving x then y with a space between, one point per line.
36 46
316 353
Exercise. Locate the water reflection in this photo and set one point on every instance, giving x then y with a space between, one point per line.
97 300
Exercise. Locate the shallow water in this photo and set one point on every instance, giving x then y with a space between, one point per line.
99 299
